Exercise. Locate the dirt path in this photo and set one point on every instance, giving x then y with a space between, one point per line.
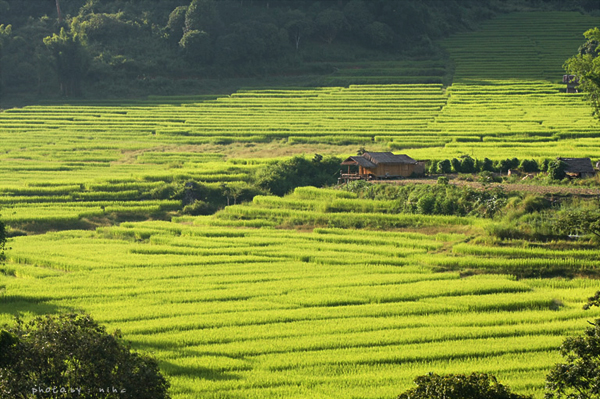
537 189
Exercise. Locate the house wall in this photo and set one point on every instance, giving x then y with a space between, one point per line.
404 170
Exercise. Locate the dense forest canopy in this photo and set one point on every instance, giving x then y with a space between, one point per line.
129 47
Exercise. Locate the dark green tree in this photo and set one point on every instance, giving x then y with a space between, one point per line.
176 24
299 27
71 60
329 23
456 166
5 33
358 15
467 165
72 353
579 376
514 163
432 166
545 164
487 165
284 176
203 15
529 165
579 221
197 46
459 386
379 35
444 166
586 67
556 169
504 165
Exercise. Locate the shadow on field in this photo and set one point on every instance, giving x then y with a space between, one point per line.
17 304
200 372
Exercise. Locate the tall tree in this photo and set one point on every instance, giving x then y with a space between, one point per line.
299 27
579 376
60 18
202 15
71 60
329 23
586 67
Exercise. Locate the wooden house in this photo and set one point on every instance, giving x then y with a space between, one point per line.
381 165
578 167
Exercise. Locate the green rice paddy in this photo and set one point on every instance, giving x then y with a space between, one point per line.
318 294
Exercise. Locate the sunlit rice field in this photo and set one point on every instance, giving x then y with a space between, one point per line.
318 294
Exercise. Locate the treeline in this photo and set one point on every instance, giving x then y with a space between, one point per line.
122 47
466 164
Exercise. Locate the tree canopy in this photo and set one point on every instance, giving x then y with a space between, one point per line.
585 66
459 386
70 355
141 44
579 376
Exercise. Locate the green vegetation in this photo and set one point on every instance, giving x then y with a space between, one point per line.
474 386
578 376
131 48
158 216
71 355
584 67
244 311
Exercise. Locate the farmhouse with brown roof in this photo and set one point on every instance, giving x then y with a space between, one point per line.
578 167
381 165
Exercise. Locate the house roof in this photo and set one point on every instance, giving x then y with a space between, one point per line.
359 160
578 165
388 158
372 159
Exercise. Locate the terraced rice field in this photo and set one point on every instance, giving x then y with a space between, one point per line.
234 311
347 304
99 156
521 46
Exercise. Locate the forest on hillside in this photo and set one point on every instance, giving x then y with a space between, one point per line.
135 47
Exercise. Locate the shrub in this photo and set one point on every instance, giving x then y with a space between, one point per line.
529 165
459 386
579 376
488 177
556 170
426 204
456 165
444 166
443 180
487 165
198 208
284 176
467 165
72 351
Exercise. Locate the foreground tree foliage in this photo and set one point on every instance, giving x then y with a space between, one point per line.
70 355
459 386
586 67
579 221
579 376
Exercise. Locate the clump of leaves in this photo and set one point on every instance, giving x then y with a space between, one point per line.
459 386
72 352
